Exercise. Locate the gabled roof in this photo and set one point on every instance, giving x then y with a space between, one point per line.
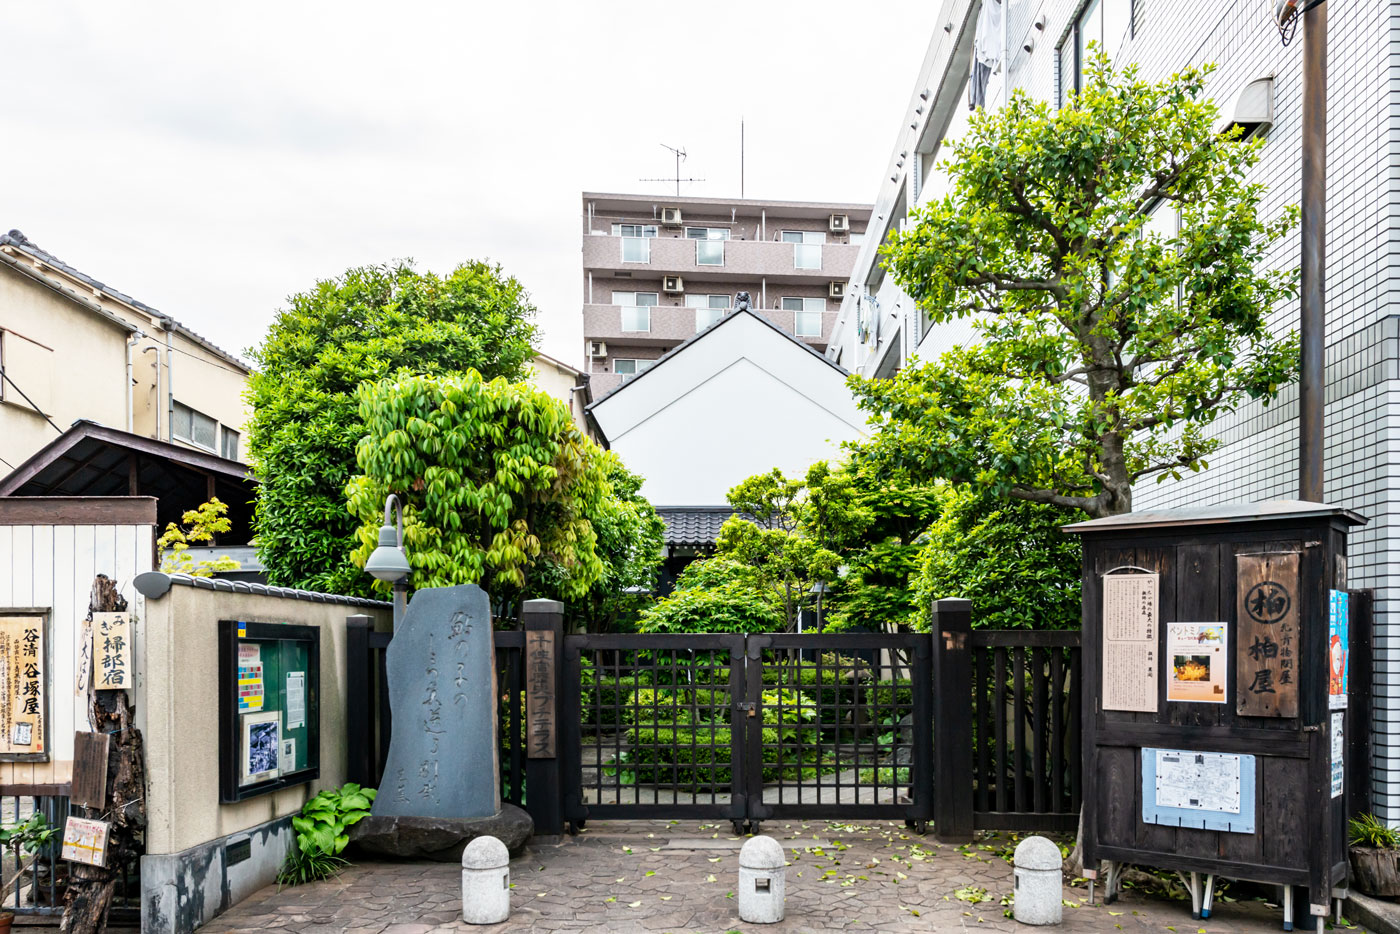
690 342
693 526
22 243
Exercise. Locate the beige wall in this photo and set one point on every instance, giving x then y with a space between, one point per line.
68 341
70 361
559 380
180 699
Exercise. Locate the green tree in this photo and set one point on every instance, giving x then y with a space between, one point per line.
497 484
1104 345
1009 557
199 525
716 594
371 322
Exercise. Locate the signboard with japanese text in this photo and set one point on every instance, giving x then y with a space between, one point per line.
1338 648
85 841
23 688
1267 647
1196 659
1130 642
111 636
539 694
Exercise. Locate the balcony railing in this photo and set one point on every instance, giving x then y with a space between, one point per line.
747 258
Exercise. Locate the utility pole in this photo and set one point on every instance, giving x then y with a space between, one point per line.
1312 380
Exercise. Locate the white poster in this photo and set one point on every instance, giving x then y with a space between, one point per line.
1196 662
1130 642
296 700
1338 753
1200 781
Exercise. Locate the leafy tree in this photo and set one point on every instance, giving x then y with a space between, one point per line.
1106 346
497 484
1008 557
199 525
370 323
716 594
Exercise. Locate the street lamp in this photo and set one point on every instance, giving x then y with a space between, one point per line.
388 561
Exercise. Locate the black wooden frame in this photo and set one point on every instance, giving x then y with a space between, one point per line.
230 722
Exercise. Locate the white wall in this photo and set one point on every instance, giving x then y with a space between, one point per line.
739 401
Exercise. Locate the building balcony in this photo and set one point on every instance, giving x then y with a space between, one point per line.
668 325
719 259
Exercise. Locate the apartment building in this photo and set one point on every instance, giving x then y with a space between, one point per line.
74 348
1257 83
657 271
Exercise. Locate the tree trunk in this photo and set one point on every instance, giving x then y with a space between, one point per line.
90 888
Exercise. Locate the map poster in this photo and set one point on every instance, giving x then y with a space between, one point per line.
1196 662
1130 642
23 686
1338 648
1201 781
1338 739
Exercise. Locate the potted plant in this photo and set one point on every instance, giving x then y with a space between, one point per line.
1375 856
27 837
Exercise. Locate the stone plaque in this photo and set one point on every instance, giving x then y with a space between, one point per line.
442 690
539 694
1266 650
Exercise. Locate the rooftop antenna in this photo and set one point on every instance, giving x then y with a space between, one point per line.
680 155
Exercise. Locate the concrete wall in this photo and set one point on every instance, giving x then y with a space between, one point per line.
186 877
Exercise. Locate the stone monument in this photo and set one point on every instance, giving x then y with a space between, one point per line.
441 785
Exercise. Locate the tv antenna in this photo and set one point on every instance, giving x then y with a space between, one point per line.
680 157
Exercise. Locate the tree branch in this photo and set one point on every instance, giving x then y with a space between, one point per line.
1049 497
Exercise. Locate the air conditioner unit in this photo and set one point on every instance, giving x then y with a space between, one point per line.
671 217
840 223
837 290
597 349
672 284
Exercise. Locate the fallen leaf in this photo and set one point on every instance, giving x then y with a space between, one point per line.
635 905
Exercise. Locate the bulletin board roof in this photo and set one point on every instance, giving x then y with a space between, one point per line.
1223 514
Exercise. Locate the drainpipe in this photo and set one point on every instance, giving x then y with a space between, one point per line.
169 380
146 350
130 391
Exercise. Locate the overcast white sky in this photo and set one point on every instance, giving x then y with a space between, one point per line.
212 159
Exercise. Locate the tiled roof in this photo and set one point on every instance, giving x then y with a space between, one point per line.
155 584
693 526
19 241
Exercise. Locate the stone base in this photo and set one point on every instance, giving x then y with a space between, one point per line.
438 838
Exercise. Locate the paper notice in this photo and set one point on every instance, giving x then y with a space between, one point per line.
1338 753
296 699
1130 642
250 678
1196 658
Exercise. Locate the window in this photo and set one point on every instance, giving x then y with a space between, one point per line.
709 251
807 315
1106 22
636 309
229 447
807 247
707 233
627 369
705 301
193 427
636 241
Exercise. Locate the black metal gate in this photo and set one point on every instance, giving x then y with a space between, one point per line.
748 728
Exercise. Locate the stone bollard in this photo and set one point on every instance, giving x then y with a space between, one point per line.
1039 881
762 881
485 881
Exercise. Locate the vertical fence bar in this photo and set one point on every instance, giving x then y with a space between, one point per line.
981 686
1019 754
358 725
999 728
952 720
543 684
1038 661
386 714
1058 752
1075 765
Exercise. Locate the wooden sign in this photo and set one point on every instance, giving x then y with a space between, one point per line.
85 841
23 688
1267 644
539 694
90 769
112 650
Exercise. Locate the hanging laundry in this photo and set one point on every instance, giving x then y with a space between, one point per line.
986 53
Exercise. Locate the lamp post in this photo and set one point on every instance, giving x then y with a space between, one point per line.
388 561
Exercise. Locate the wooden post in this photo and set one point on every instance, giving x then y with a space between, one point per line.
359 728
90 888
952 720
543 622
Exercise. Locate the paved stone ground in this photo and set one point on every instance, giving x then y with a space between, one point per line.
660 876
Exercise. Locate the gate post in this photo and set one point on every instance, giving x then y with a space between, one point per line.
543 623
359 729
952 720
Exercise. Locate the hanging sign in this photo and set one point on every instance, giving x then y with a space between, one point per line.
1338 648
1196 660
1266 650
111 634
85 841
1130 642
23 686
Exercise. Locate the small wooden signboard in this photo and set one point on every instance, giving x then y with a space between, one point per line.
90 769
539 694
111 633
1269 639
85 841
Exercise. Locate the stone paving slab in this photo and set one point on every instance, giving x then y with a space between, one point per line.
656 876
